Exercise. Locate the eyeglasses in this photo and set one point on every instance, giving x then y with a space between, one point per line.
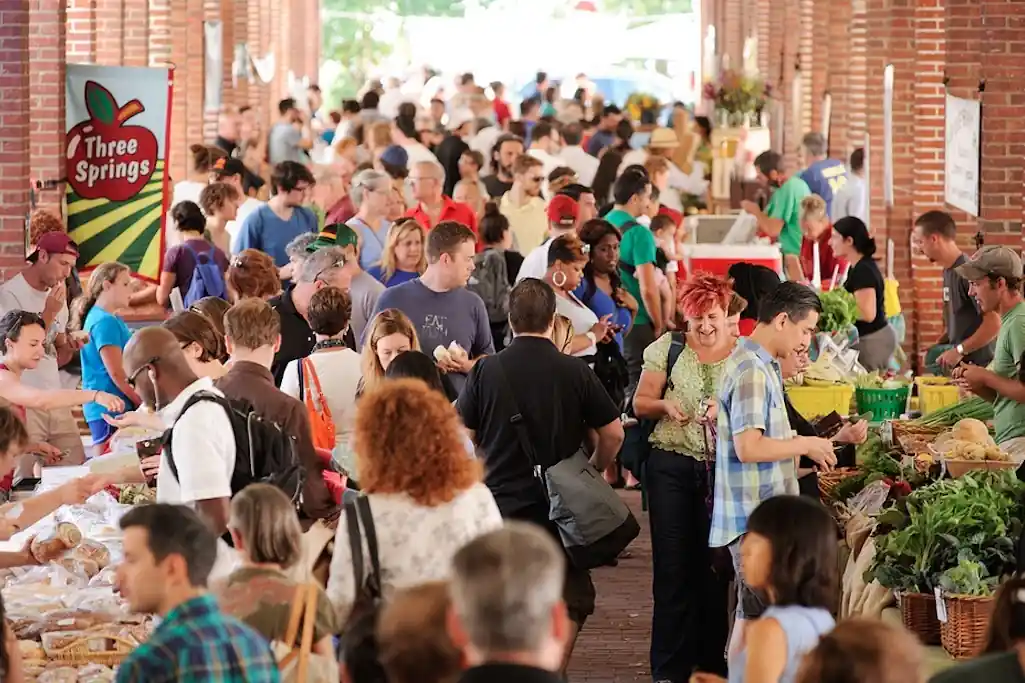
340 263
145 366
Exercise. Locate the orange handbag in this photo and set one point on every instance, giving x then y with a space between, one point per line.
321 423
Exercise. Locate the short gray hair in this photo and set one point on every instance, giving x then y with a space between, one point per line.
814 144
504 587
368 179
297 247
319 262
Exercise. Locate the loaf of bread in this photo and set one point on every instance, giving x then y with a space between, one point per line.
94 551
82 567
30 650
64 537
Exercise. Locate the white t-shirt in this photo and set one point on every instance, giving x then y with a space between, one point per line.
204 453
415 543
417 153
535 264
339 372
250 205
17 295
582 318
581 162
483 142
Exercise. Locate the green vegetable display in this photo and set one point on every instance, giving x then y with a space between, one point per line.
874 464
974 407
839 310
933 536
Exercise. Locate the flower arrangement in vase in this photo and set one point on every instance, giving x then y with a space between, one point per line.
739 98
643 108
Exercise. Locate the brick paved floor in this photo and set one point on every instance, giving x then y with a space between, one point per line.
613 647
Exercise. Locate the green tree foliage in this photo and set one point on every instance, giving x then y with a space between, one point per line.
647 7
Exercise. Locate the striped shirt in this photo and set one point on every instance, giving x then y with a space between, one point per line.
750 397
196 643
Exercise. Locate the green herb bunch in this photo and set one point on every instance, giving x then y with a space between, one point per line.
839 310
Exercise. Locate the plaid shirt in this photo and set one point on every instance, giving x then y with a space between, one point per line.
750 397
196 643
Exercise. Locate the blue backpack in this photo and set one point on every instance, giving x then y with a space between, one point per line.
207 278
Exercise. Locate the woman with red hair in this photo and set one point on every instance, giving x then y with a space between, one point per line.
689 623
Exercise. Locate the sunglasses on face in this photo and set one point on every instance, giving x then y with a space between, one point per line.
142 368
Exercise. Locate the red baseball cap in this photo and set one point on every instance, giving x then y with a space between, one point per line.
54 243
563 211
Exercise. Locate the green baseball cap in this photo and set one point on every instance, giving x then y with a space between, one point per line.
334 235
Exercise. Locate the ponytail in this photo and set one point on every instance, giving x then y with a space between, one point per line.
80 307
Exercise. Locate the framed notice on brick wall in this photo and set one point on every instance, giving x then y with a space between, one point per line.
962 154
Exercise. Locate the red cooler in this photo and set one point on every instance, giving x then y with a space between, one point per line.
717 258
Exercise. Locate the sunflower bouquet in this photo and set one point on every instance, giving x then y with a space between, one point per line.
738 93
643 107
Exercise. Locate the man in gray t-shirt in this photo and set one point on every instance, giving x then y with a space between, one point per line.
441 308
290 136
969 333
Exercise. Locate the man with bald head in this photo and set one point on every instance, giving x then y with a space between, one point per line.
432 206
202 439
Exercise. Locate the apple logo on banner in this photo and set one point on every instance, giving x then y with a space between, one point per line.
107 159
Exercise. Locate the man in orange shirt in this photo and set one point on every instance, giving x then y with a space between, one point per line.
432 206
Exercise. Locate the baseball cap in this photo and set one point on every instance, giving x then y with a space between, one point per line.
563 211
459 118
229 166
992 260
54 243
334 235
394 155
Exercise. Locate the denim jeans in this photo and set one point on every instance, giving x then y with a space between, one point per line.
690 623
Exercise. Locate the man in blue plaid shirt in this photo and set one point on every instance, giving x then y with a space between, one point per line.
169 553
756 449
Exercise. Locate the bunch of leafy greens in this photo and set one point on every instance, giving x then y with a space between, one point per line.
968 578
974 519
874 463
839 310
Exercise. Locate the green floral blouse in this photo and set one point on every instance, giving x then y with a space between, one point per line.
692 381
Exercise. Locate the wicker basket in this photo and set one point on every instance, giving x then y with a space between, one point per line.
828 481
84 651
963 635
918 612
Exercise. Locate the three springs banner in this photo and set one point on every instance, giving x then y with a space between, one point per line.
118 133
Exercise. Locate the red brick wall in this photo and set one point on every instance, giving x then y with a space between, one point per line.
47 20
81 31
14 144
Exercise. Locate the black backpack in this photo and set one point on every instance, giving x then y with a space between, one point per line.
263 451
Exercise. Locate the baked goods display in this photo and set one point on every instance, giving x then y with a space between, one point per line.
71 624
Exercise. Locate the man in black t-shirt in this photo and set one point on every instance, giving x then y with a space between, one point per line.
969 334
559 399
503 154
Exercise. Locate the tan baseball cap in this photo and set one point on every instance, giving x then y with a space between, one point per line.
994 260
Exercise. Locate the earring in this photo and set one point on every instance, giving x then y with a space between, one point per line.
556 281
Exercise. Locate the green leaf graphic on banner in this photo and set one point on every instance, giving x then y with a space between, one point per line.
99 102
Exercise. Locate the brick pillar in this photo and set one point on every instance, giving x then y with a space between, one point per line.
179 27
313 40
47 21
211 11
110 32
15 163
240 31
228 9
733 39
763 9
857 78
822 58
930 62
837 37
81 31
791 26
136 33
809 62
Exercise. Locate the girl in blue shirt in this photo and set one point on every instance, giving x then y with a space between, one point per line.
95 313
601 289
403 258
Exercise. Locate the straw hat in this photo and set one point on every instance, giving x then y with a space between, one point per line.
663 138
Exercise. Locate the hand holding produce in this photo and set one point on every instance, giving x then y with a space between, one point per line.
819 451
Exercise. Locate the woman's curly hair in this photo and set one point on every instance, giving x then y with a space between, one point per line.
42 222
408 439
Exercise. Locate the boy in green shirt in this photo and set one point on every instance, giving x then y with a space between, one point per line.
996 274
782 217
637 267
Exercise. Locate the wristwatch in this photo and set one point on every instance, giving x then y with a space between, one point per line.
960 349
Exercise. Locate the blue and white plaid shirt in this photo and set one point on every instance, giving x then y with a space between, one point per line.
750 397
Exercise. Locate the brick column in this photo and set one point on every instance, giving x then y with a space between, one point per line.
136 32
81 31
241 21
14 143
110 32
47 21
857 78
809 62
177 15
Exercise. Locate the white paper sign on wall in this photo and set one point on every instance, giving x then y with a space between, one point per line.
962 154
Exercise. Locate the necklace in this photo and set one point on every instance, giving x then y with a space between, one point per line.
329 344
